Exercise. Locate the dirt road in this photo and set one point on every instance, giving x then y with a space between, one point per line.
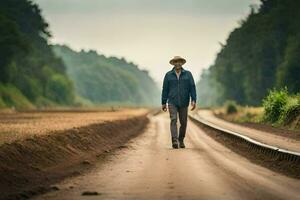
150 169
261 136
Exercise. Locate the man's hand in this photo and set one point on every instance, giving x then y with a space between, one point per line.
193 104
164 107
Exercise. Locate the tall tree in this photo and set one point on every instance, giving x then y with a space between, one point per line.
27 61
260 54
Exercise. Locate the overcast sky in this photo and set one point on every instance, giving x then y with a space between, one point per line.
147 32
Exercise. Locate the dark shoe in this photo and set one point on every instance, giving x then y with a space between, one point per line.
181 144
175 143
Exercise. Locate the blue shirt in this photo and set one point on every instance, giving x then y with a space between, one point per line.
178 91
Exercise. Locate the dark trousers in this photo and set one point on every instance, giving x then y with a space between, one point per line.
182 112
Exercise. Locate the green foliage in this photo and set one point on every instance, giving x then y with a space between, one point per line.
280 108
231 107
11 44
291 110
288 73
10 96
263 53
2 103
209 91
59 89
82 102
27 62
274 105
108 80
42 102
30 86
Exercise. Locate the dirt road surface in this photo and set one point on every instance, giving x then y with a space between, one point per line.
261 136
150 169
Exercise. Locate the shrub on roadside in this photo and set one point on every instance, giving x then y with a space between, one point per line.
231 107
274 105
280 108
291 110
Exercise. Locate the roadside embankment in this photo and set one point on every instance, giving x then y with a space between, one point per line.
261 147
279 139
31 165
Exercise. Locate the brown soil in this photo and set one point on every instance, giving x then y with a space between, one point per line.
21 125
150 169
29 166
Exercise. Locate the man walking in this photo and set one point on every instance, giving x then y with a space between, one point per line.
178 88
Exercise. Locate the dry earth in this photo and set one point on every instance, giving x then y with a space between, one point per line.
49 146
20 125
150 169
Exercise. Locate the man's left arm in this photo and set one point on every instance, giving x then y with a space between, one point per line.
193 91
164 94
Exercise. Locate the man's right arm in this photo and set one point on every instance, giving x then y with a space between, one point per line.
165 91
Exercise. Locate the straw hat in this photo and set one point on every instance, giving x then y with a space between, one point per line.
177 58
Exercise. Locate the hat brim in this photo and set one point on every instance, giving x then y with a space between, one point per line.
173 60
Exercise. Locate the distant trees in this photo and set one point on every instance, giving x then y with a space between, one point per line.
31 74
263 53
209 92
27 62
108 80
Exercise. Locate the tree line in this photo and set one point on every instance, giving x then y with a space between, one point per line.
32 75
108 80
263 53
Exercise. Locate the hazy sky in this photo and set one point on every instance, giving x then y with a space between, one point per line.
147 32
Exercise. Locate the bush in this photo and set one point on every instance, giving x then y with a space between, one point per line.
291 110
231 107
274 105
281 108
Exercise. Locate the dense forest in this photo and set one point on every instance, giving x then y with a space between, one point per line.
30 73
103 80
261 54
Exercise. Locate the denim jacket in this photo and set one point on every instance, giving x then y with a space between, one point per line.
178 91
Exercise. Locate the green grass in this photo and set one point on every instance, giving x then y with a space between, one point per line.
11 97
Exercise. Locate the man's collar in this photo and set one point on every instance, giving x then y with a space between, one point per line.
182 70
